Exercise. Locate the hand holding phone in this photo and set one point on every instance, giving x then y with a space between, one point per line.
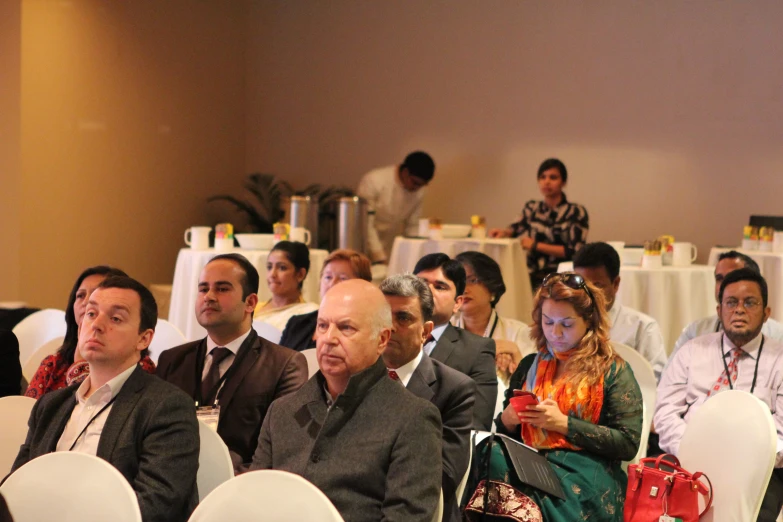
522 399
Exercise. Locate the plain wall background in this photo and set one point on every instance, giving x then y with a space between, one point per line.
669 115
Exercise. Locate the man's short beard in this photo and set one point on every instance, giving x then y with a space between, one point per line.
743 338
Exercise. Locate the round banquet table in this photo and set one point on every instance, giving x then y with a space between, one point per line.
516 303
674 296
185 288
771 265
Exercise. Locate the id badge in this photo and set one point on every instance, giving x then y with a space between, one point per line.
667 518
210 415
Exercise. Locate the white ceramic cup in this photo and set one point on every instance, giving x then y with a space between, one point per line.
750 244
197 238
683 254
619 246
777 242
651 261
424 227
436 234
224 244
300 234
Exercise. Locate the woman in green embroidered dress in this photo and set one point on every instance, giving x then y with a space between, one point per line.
589 417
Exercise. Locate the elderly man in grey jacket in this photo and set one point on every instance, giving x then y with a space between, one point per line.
370 445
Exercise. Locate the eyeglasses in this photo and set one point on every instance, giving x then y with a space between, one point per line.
748 304
571 280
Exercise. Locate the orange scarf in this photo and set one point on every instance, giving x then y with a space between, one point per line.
583 401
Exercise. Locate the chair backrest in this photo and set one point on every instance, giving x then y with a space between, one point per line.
645 376
271 495
267 331
38 328
70 487
214 461
166 336
15 412
732 439
312 361
34 361
438 516
464 481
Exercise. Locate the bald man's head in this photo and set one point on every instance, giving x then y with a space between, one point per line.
353 328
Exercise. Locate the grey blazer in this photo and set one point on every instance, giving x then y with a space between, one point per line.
150 436
453 393
474 356
376 453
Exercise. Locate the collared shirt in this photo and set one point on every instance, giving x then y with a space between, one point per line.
566 225
86 409
396 210
695 369
405 371
771 329
436 333
641 332
226 363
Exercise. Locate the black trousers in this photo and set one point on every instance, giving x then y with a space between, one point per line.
773 498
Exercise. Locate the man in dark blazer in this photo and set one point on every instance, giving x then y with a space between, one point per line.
253 371
465 352
371 446
144 427
10 367
452 392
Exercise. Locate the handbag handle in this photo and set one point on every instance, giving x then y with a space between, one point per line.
663 456
696 484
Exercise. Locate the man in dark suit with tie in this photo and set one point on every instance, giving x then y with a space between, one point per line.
466 352
232 367
452 392
144 427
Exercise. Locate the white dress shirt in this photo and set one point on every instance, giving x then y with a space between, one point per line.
694 370
405 371
711 324
85 410
226 363
506 330
641 332
397 211
436 333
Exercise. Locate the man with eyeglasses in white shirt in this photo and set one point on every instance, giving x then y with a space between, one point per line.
739 357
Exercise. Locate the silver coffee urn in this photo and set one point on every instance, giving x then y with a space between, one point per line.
352 222
303 212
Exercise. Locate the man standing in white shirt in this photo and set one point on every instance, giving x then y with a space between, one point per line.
727 262
143 426
599 263
394 195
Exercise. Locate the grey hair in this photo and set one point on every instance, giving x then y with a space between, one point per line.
408 285
382 319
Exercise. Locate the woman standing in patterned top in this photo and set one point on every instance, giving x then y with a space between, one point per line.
551 230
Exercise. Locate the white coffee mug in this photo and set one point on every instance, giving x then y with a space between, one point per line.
651 261
197 238
619 247
777 242
683 254
224 244
424 227
750 244
300 234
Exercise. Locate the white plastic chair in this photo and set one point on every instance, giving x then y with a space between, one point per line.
645 376
438 517
15 412
70 487
732 439
270 495
464 482
312 361
34 361
37 329
166 336
267 331
214 461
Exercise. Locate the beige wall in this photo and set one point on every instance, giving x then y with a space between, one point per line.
132 114
10 132
669 115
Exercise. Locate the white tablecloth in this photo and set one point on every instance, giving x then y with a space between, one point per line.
516 303
771 265
674 296
185 288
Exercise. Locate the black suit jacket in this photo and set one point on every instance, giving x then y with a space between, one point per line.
150 436
453 393
10 367
474 356
267 371
298 333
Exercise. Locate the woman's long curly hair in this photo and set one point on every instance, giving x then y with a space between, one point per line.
594 354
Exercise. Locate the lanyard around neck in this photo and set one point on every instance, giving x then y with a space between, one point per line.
90 422
755 371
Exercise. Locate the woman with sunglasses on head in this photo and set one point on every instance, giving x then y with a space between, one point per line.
477 313
67 366
589 416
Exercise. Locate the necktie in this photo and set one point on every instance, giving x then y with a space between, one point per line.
394 375
723 381
213 376
430 339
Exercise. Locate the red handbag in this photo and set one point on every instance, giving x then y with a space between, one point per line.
653 491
